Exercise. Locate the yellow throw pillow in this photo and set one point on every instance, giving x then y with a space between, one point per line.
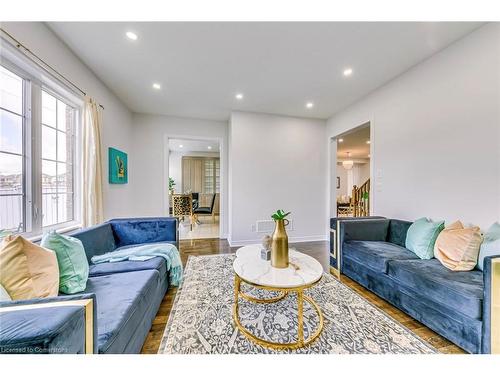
27 270
457 247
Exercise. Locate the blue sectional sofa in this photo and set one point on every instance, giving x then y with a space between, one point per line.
124 298
457 305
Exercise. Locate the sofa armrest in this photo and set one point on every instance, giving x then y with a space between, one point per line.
63 324
133 231
364 230
491 305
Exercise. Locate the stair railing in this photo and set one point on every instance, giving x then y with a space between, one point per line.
360 200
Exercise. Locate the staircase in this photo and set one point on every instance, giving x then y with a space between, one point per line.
360 200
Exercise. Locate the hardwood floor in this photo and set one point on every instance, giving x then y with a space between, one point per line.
318 250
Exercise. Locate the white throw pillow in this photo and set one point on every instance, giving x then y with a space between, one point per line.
4 296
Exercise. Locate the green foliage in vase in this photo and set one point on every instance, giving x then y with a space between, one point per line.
365 195
280 215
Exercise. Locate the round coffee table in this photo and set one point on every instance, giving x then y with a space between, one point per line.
302 273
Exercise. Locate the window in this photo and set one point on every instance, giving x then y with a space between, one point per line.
211 176
12 119
37 154
57 160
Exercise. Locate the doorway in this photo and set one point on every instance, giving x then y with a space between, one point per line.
352 167
194 186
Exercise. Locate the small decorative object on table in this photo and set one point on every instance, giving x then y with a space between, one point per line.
265 252
279 248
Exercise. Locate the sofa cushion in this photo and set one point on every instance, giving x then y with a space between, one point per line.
55 330
122 302
27 270
421 236
4 296
457 247
490 245
456 327
156 263
71 259
459 291
375 254
96 240
143 230
364 230
397 231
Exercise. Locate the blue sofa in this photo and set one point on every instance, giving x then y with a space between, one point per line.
124 298
457 305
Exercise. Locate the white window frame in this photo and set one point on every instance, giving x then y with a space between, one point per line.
34 81
213 161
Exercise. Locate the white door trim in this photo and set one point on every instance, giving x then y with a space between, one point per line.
223 163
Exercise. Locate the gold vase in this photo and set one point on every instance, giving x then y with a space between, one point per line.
279 248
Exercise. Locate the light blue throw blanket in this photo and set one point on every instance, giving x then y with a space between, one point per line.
144 252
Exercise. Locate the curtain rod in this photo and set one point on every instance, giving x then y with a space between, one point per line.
19 45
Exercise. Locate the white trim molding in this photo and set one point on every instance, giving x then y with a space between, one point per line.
291 240
223 163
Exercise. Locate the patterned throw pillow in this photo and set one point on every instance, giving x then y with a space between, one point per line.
421 237
73 264
28 270
457 247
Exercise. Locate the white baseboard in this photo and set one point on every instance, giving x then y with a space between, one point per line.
234 243
308 238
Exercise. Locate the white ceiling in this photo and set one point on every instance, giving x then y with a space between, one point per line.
278 66
190 145
354 142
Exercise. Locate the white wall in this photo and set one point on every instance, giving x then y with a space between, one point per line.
362 173
117 119
150 153
436 134
175 169
342 173
277 163
175 165
357 175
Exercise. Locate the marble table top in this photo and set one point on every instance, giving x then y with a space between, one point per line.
303 269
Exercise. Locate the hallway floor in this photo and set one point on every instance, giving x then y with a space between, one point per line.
207 229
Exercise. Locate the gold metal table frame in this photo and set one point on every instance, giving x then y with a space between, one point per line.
301 341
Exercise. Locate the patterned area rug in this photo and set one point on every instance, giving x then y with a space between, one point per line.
201 318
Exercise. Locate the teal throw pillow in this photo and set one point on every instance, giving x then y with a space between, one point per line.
72 261
490 245
422 235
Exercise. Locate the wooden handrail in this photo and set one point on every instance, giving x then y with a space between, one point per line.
359 205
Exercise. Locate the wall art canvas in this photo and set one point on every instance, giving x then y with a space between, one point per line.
118 166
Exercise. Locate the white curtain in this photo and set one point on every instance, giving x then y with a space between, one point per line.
92 197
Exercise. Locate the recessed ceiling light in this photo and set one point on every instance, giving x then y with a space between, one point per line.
181 146
347 72
309 105
341 140
156 86
209 147
131 35
368 142
239 96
